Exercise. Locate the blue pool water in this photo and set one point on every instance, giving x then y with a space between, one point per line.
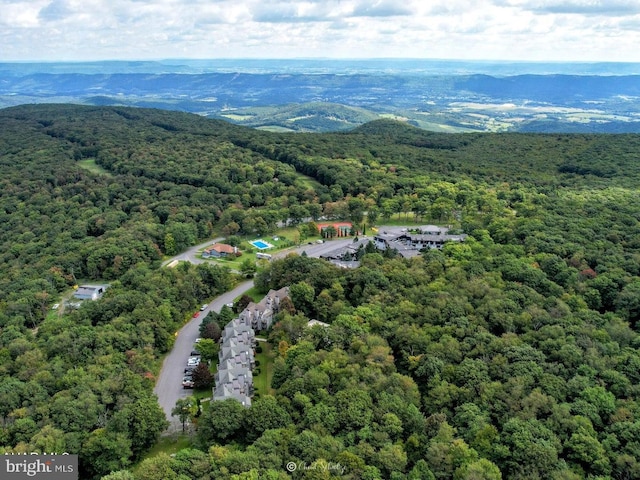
260 244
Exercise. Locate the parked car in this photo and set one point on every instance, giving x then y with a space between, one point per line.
204 307
189 370
194 353
193 362
196 315
198 340
187 381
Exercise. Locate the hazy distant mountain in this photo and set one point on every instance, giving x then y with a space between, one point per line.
321 95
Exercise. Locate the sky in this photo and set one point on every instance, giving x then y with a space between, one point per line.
522 30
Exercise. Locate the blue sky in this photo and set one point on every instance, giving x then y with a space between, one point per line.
527 30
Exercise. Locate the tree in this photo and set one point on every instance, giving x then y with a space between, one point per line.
628 302
481 469
105 451
143 421
243 302
421 471
230 229
302 295
373 213
354 408
208 349
589 453
533 448
248 268
159 467
49 440
266 413
212 331
356 207
202 377
185 409
169 244
222 422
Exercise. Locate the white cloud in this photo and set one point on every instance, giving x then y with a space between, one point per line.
586 7
481 29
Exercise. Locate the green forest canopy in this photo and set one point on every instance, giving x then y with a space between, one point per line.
514 354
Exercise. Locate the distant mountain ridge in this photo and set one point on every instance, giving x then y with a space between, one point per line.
444 101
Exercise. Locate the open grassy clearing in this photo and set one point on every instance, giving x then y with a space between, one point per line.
275 128
308 182
90 165
238 117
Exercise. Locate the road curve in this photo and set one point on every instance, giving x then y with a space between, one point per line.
169 383
191 254
168 386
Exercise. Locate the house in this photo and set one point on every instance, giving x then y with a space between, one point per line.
233 363
238 335
227 391
242 375
219 250
237 354
90 292
260 315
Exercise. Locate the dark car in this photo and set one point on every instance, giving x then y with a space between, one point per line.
189 370
194 353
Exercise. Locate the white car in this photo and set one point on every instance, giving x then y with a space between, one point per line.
193 362
204 307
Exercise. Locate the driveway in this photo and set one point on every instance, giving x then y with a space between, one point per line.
169 383
191 255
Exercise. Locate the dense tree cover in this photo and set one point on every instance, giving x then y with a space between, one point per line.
512 355
82 382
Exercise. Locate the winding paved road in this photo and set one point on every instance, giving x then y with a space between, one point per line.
169 383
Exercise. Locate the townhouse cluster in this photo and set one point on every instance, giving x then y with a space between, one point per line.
236 359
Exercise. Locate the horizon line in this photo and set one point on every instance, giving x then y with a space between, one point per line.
321 59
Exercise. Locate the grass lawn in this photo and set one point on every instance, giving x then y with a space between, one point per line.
254 294
169 444
262 381
307 181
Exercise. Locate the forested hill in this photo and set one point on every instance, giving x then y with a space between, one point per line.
512 355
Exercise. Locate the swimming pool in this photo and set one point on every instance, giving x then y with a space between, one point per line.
261 244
